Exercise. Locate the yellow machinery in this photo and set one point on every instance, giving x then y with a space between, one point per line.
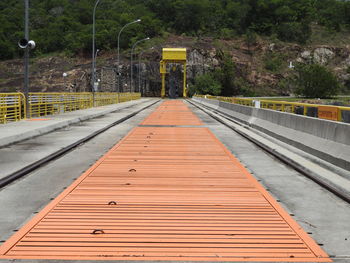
173 55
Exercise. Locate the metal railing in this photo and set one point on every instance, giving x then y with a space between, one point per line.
12 105
105 98
42 104
329 112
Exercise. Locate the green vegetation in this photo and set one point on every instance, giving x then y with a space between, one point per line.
274 62
65 25
205 84
314 80
222 81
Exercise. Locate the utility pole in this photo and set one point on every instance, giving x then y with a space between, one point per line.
26 56
118 58
93 66
131 61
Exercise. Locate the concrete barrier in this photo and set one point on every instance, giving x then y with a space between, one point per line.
328 140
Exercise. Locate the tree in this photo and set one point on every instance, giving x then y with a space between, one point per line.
315 81
226 75
205 84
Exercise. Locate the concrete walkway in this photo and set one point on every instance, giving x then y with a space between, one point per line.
18 131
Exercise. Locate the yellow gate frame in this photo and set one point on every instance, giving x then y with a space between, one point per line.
173 55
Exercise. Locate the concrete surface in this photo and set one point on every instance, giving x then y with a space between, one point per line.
19 131
315 209
340 182
20 155
325 139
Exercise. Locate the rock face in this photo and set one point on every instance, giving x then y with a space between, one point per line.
319 55
203 56
323 55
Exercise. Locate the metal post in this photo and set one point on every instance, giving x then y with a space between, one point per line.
118 70
184 82
26 57
140 55
93 46
96 53
131 62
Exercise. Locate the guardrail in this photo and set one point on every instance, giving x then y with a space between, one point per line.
42 104
105 98
328 112
12 105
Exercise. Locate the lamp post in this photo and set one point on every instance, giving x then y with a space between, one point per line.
95 86
26 44
26 56
93 46
140 55
131 58
64 75
121 30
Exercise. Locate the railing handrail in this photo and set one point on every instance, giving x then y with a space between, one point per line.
276 103
12 105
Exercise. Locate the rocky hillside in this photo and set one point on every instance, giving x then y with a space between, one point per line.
261 66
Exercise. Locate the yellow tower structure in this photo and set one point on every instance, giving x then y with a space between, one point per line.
173 55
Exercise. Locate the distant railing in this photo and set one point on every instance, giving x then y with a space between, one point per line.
328 112
12 105
43 104
105 98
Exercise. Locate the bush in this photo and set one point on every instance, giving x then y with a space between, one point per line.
225 75
274 62
315 81
205 84
294 32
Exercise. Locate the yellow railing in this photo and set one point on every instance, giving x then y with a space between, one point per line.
12 105
106 98
335 113
42 104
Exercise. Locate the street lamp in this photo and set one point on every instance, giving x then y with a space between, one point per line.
132 52
121 30
140 55
96 54
26 44
93 45
64 75
95 84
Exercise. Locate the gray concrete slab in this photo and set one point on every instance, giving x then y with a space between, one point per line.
26 129
318 211
20 200
20 155
326 139
329 177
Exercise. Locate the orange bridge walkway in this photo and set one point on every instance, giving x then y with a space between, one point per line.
165 193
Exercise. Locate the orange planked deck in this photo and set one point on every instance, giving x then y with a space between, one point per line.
165 193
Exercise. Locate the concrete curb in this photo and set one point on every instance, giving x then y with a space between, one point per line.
333 182
5 180
11 139
324 139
